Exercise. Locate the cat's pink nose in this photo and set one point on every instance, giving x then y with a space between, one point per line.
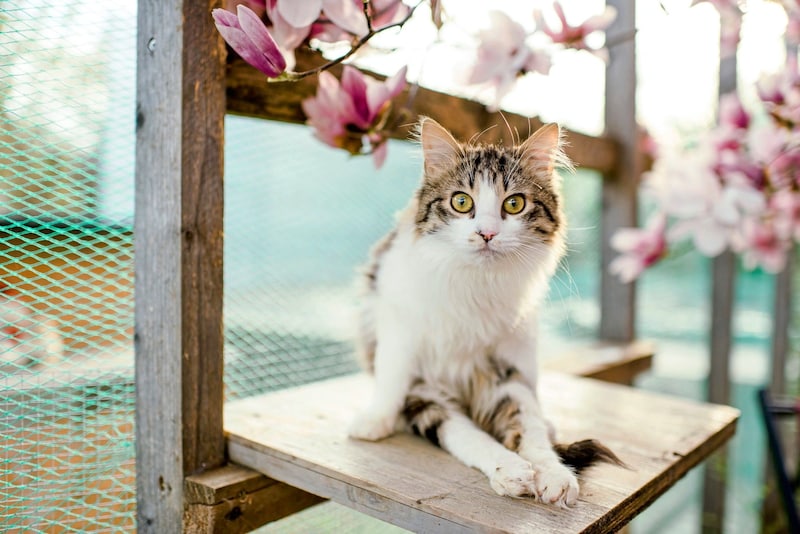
487 235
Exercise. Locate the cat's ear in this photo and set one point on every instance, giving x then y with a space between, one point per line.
439 149
542 152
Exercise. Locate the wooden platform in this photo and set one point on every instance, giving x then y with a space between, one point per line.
298 436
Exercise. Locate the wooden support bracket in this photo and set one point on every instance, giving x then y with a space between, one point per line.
235 499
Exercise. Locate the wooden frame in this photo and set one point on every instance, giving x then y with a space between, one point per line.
178 258
184 88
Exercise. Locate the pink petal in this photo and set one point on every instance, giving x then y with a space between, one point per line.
379 154
300 13
601 21
346 14
379 93
354 84
249 38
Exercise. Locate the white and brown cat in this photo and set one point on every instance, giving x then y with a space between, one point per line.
448 326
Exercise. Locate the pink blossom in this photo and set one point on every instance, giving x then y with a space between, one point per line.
249 38
730 24
257 6
503 55
785 205
762 246
732 112
640 248
575 36
346 15
287 36
352 113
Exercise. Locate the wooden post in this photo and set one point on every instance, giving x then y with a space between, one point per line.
178 254
723 278
618 300
781 321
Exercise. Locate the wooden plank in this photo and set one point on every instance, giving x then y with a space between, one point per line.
250 94
298 436
178 260
236 499
617 299
619 363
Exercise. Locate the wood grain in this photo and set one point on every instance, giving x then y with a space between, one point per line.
235 499
619 363
178 260
249 93
298 436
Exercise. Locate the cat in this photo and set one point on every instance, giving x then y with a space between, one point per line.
448 320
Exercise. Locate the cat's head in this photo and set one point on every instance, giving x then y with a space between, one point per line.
491 201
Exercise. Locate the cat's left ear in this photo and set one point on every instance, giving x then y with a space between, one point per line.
542 151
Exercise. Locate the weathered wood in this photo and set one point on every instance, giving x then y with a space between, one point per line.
236 499
299 436
617 299
178 260
781 321
250 94
619 363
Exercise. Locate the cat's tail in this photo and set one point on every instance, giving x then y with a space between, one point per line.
585 453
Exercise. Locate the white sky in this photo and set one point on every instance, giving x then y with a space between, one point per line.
677 61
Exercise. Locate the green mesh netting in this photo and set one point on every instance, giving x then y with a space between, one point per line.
66 311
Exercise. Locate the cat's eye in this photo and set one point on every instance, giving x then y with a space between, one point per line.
514 204
461 202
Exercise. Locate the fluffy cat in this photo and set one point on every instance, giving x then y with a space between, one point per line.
448 323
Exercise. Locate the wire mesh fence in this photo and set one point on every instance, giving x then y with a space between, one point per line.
67 76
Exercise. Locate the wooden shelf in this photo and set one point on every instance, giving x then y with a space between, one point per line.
298 436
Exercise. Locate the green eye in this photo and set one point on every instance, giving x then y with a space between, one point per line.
461 202
514 204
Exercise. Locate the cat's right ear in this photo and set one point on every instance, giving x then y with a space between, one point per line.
440 150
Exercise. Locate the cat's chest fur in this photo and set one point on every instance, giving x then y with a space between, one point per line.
459 311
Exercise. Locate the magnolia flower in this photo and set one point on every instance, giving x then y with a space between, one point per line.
258 6
249 38
640 248
347 15
575 36
730 15
352 114
762 246
785 206
503 55
287 36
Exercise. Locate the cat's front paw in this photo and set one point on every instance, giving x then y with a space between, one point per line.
514 478
372 426
556 484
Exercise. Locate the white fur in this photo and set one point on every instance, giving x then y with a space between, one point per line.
444 301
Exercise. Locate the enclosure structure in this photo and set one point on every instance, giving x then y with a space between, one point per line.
182 100
88 264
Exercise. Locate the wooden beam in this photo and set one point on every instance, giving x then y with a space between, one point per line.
178 260
250 94
781 322
617 299
235 499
